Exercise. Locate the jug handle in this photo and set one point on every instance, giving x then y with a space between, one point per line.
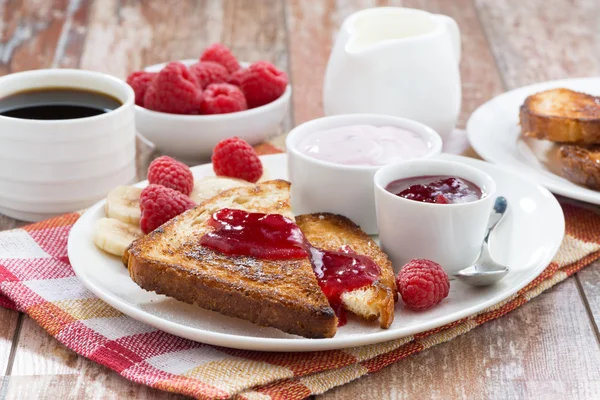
453 32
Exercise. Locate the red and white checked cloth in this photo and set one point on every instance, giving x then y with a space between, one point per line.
36 278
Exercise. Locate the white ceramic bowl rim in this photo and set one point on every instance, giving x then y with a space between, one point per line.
435 167
228 116
129 96
215 117
429 135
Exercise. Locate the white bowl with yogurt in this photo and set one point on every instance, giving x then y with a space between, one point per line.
332 161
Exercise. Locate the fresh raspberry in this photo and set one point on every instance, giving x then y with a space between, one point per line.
235 158
262 83
207 72
160 204
222 98
422 284
221 54
236 77
171 173
139 82
174 90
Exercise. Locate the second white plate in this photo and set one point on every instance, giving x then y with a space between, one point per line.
494 132
526 241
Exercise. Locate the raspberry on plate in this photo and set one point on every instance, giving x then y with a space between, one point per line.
159 204
174 90
222 98
262 83
139 82
422 284
221 54
207 72
235 158
171 173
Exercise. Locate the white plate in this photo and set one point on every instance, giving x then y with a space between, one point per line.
494 132
526 241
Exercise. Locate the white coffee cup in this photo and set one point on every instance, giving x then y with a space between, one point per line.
449 234
51 167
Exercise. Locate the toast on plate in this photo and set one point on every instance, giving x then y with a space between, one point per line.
284 294
562 115
581 164
331 232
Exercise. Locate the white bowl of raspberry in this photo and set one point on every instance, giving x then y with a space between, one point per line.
186 121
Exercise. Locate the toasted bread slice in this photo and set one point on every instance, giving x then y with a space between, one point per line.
281 294
562 115
330 232
581 164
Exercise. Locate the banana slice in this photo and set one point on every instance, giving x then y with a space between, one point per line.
211 186
123 203
114 236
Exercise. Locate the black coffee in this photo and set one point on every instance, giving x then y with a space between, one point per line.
57 103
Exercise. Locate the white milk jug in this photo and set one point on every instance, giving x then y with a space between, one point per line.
396 61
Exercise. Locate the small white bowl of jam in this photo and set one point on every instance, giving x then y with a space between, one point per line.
332 161
433 209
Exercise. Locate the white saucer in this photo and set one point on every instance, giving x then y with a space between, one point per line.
494 132
526 241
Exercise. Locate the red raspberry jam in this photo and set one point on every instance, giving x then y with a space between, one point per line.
342 271
267 236
436 189
275 237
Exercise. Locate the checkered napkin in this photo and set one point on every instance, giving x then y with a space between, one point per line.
36 278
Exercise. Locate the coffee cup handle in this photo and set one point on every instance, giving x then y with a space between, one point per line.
454 33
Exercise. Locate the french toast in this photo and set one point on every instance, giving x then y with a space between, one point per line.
581 164
562 115
284 294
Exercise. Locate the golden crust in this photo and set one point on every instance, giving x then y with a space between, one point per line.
581 164
562 115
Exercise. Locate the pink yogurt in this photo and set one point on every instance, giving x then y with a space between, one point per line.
365 145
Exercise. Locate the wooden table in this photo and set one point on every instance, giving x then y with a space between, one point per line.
549 347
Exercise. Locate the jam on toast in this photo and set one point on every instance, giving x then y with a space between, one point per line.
331 232
283 294
562 115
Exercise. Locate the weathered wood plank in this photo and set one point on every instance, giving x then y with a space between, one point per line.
543 349
98 384
538 41
589 279
313 26
8 324
31 31
126 36
72 37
